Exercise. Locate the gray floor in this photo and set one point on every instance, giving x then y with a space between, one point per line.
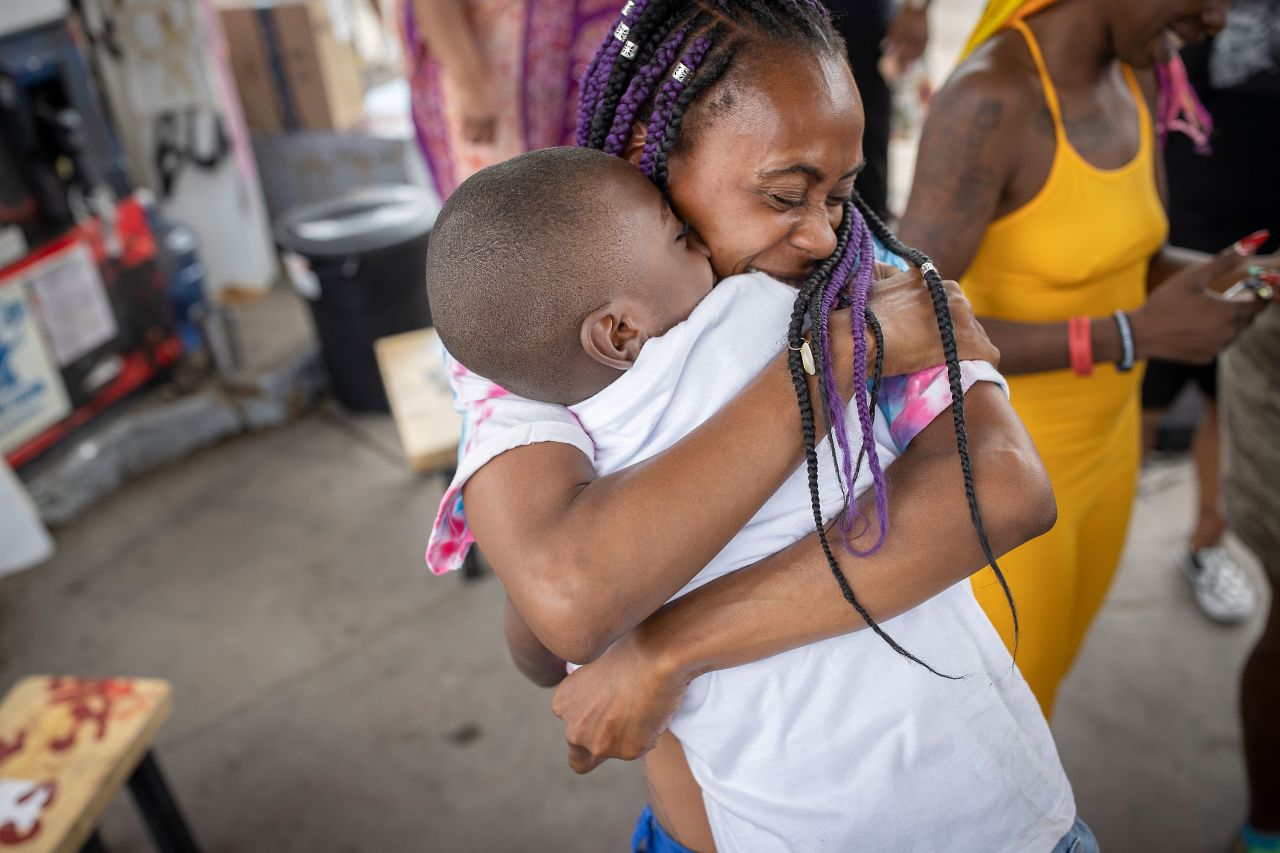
331 696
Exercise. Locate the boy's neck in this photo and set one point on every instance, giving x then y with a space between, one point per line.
591 377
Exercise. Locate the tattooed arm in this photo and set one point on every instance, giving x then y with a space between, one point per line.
984 128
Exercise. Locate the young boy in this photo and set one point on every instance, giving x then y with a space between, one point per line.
563 276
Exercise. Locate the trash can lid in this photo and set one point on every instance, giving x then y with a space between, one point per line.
362 220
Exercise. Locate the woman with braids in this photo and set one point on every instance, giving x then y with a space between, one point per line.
607 307
1040 183
757 143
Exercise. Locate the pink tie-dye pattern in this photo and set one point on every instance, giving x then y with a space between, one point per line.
451 538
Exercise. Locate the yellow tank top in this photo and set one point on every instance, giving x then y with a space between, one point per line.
1081 245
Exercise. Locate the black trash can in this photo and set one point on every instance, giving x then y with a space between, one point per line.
360 261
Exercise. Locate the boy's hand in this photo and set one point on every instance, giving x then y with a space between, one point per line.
617 706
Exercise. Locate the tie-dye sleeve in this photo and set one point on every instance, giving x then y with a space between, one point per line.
493 421
910 403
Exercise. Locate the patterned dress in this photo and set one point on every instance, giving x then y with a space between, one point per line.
538 51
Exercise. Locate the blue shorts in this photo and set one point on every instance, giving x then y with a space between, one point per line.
650 837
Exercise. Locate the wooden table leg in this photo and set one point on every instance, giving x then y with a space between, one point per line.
168 829
94 844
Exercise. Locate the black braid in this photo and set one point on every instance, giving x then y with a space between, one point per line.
946 329
810 293
708 75
877 379
648 32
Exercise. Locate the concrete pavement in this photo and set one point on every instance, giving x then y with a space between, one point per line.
332 696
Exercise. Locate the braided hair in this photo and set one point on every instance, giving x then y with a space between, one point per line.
661 57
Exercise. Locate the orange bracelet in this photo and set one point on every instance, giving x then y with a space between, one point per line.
1080 345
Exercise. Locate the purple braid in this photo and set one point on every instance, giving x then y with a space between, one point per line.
667 95
639 90
593 81
838 287
861 289
835 291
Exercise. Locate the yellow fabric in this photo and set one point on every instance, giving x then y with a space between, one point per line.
997 15
1080 246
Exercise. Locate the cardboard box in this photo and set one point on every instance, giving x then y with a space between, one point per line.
292 70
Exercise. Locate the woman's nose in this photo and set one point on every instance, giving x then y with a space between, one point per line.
815 236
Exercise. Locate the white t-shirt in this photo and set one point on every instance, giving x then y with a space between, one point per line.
841 745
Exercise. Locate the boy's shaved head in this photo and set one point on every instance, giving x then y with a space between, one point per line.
522 253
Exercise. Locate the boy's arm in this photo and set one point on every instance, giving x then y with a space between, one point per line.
531 657
617 706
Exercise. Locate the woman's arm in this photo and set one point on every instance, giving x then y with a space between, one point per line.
586 559
969 148
532 658
443 25
617 706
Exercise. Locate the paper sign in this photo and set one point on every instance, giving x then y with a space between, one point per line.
32 396
73 303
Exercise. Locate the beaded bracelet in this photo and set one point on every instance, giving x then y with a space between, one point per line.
1128 356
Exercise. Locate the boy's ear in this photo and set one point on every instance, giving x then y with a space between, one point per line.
634 148
612 336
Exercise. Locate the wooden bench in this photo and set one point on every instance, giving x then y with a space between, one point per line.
67 745
412 368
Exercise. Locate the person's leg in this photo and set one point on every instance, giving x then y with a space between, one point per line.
1161 384
1260 716
1251 422
1042 577
1222 588
1103 528
1151 428
1206 449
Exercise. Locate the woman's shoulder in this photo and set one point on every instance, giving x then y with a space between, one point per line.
990 100
1000 69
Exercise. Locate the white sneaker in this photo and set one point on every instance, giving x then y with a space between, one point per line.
1222 589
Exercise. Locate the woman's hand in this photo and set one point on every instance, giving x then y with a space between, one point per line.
478 104
911 339
1186 318
618 706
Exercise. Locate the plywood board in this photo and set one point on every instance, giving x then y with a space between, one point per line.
67 745
412 367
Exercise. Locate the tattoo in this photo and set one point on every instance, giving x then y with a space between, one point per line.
959 179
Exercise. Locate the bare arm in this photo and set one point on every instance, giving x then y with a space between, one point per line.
444 27
585 560
617 706
532 658
969 149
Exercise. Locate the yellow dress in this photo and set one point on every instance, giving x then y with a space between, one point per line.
1080 246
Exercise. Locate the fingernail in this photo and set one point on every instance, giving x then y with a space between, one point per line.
1249 245
1270 277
